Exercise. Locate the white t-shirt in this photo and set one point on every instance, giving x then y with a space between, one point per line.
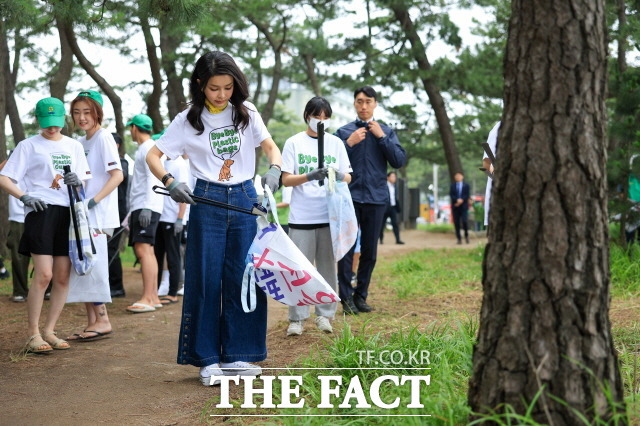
16 209
492 140
37 164
102 156
220 154
141 195
180 171
300 156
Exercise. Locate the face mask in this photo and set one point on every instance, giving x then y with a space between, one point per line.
313 124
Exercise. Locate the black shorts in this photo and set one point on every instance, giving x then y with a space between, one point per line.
46 232
138 234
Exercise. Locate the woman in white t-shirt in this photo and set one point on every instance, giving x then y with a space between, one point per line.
104 161
38 164
309 211
220 133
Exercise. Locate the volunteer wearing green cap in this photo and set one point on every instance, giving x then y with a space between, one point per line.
37 163
146 208
104 161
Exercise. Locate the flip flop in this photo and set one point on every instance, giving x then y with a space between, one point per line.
138 308
168 300
98 336
75 336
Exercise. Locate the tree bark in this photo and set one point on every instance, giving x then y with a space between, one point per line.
276 46
11 107
108 90
153 100
401 13
62 74
544 323
310 68
169 43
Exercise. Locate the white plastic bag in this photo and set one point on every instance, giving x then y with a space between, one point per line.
93 286
342 216
278 267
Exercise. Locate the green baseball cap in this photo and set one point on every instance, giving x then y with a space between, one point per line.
158 135
143 121
96 96
50 112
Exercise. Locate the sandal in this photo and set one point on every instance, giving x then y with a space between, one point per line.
36 342
56 343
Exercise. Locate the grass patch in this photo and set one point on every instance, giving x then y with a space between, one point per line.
429 272
439 228
625 270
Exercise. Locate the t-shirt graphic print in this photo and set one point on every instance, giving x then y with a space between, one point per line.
58 161
225 142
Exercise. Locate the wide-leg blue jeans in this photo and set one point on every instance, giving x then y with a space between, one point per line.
214 326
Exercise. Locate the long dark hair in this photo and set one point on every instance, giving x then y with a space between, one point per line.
211 64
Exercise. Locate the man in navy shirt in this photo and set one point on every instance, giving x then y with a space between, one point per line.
370 146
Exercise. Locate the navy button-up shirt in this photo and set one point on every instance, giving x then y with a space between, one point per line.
369 161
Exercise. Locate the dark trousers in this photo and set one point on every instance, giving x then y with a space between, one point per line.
115 267
460 219
391 213
167 242
370 220
19 263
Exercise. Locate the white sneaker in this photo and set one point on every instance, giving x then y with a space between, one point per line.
323 324
295 328
207 372
240 368
181 291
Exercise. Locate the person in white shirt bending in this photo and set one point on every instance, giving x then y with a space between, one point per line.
220 133
145 210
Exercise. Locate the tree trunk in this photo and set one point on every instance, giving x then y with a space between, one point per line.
11 108
623 145
62 74
276 46
4 201
311 73
401 13
544 324
116 102
256 96
169 43
153 100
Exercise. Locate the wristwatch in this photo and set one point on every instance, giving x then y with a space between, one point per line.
166 177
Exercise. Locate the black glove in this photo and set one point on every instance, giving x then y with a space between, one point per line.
272 179
145 218
178 227
72 179
35 203
317 174
180 192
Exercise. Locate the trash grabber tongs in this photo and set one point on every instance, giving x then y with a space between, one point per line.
74 219
256 210
492 159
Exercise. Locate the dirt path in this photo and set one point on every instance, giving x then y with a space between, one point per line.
132 378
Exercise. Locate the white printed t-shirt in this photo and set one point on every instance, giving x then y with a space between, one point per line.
16 209
37 164
300 156
102 156
220 154
492 140
180 171
141 195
